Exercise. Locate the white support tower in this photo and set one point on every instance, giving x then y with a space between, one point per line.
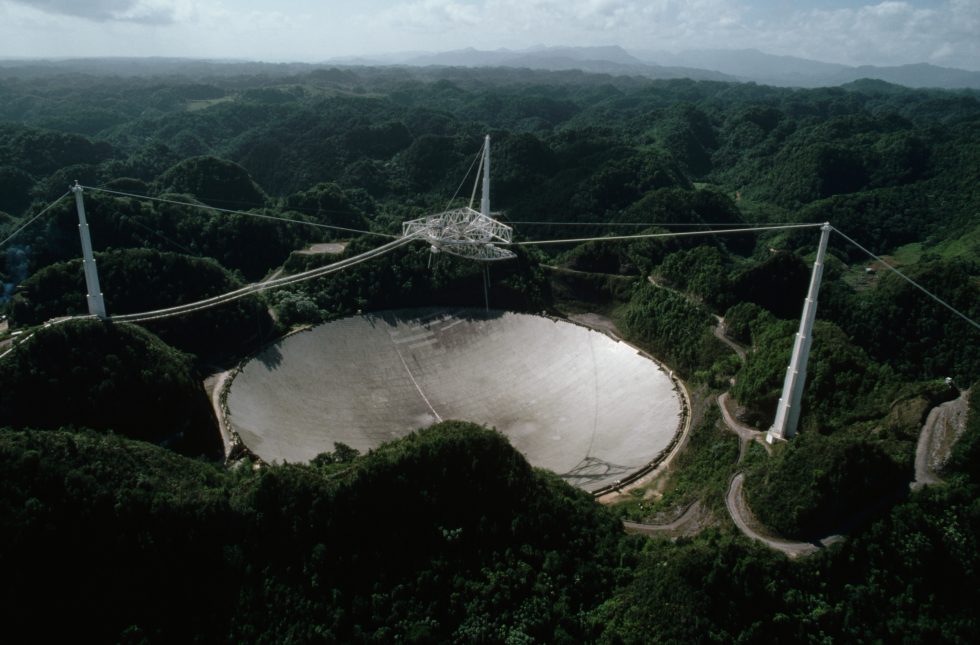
464 231
485 200
96 305
788 408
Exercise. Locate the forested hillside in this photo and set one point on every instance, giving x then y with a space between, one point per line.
449 535
417 541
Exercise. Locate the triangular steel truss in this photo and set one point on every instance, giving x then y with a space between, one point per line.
465 232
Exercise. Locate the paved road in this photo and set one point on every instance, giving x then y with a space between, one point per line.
719 332
735 500
744 432
750 527
719 328
216 383
938 435
614 276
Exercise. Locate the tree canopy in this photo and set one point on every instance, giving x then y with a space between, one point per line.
449 535
116 378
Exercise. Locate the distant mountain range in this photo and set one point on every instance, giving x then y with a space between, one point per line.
753 65
747 65
742 65
603 60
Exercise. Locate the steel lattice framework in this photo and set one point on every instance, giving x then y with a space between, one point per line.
465 232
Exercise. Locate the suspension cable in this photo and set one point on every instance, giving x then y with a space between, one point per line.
668 234
400 241
238 212
479 170
31 221
654 224
258 287
479 155
910 280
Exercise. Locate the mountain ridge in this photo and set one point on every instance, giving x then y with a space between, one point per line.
745 65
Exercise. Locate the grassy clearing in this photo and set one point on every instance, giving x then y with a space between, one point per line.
907 254
760 211
858 279
965 245
196 105
704 185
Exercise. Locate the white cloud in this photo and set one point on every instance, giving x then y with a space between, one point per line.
887 33
567 22
881 32
185 28
432 16
139 11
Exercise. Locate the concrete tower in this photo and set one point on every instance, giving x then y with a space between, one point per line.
788 408
96 305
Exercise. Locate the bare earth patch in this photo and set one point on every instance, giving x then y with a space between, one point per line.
332 248
691 522
943 426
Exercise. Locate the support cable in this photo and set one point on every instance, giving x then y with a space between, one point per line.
476 182
238 212
258 287
479 155
31 221
910 281
610 238
330 268
163 237
655 224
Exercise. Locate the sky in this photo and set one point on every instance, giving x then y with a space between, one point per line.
852 32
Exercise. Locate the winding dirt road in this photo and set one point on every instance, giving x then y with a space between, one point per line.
739 510
719 332
750 526
744 432
943 426
214 384
689 522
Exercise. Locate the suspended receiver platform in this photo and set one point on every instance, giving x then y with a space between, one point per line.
465 232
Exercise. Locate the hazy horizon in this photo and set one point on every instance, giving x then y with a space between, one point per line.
891 32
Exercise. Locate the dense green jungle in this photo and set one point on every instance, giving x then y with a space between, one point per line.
120 520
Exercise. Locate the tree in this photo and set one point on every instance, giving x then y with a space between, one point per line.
214 181
675 329
15 189
108 377
140 280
